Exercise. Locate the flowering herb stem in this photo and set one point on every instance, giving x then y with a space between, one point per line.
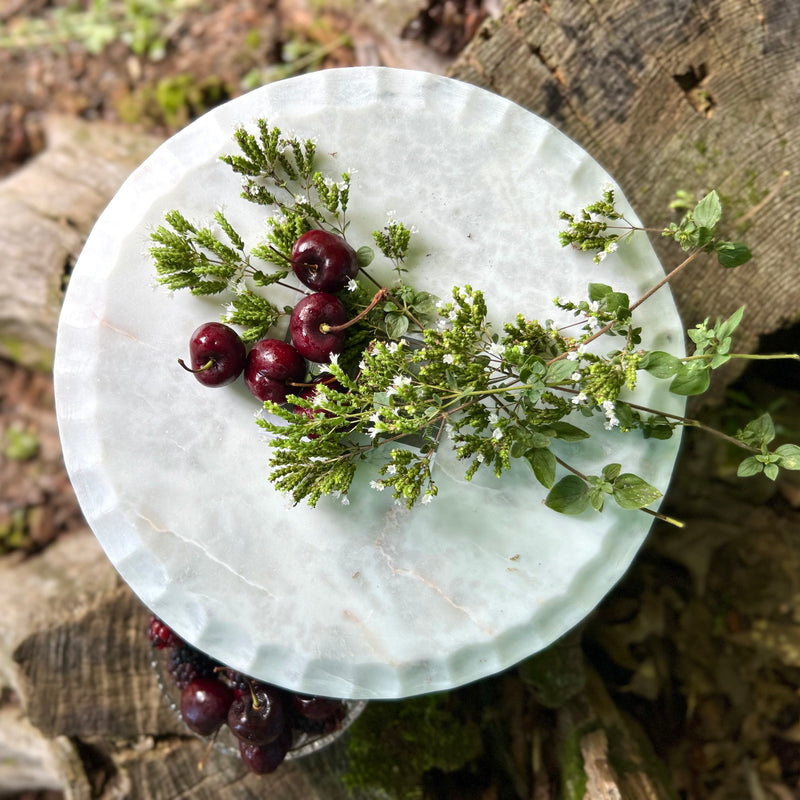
432 372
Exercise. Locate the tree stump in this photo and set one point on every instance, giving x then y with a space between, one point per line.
682 96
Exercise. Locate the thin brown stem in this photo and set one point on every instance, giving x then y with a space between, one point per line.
379 295
649 293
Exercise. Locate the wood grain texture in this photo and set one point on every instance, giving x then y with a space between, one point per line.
685 94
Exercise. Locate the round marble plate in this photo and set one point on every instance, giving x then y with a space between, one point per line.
368 600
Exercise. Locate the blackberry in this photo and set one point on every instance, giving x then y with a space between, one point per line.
187 664
238 681
160 635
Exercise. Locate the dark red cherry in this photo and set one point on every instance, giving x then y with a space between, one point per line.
266 758
205 703
272 365
323 261
318 708
257 717
216 354
314 324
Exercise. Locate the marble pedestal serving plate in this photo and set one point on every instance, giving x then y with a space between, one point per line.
368 600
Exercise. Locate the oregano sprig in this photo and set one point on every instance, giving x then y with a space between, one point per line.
419 374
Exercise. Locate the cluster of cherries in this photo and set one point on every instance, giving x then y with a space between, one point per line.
325 263
266 721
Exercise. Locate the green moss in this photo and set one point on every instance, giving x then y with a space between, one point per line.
393 744
26 353
570 759
555 674
174 101
20 445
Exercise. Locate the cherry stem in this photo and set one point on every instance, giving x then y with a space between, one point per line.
210 363
327 381
379 295
256 704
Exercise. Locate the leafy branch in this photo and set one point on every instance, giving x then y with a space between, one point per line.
418 374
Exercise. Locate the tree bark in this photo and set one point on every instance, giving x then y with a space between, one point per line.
690 95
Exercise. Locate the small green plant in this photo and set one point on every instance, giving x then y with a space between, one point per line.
434 372
139 24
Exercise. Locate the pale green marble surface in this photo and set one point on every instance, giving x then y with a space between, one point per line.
369 600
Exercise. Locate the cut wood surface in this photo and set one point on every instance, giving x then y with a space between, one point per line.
673 96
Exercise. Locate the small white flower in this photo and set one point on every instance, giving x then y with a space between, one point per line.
594 306
345 500
448 358
441 324
372 432
611 422
391 469
334 360
362 365
480 458
572 355
426 498
607 406
453 315
497 434
377 485
601 256
375 417
401 380
493 418
496 349
576 376
611 247
440 304
392 347
352 285
579 399
391 390
301 199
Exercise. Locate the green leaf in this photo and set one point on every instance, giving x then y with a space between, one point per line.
597 291
708 212
569 496
758 432
771 471
723 330
750 466
690 379
365 255
597 498
425 304
630 491
732 254
660 364
611 471
396 325
543 463
568 432
559 371
789 456
616 301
